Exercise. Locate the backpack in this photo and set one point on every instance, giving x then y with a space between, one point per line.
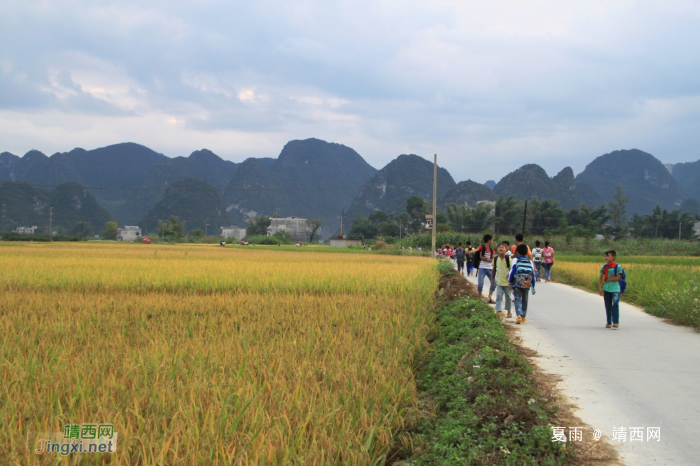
623 278
477 257
523 274
459 252
537 255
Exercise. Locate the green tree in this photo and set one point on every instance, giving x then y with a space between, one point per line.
197 233
315 225
258 226
509 216
81 229
362 228
417 208
542 215
618 209
110 231
664 224
283 235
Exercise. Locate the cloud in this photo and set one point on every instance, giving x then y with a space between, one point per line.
500 83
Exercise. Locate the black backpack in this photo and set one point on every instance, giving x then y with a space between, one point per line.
495 264
477 257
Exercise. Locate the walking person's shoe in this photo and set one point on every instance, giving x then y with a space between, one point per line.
524 320
519 320
608 326
615 326
491 301
510 315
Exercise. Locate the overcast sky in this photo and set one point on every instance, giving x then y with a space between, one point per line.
488 86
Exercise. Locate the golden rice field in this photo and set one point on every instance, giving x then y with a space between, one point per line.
662 285
201 355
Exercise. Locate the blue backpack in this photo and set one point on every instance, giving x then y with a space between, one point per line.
523 275
623 278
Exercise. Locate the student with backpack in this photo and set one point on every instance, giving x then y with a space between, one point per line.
537 258
611 284
470 258
548 254
483 258
501 268
521 280
459 255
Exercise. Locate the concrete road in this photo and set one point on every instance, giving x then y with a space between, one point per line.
645 374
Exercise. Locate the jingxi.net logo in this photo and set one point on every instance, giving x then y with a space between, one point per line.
78 438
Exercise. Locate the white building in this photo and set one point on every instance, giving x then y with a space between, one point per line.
696 229
297 227
233 232
26 230
129 233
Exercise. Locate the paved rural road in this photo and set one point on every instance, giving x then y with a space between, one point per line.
646 374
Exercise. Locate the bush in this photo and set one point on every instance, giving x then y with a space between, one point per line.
379 245
269 240
13 236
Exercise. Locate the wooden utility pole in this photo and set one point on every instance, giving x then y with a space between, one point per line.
206 227
342 217
656 235
524 217
434 206
679 230
50 222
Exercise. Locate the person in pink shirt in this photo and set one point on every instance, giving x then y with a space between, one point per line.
548 254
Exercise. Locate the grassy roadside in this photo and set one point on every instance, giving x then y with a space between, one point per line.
487 407
665 287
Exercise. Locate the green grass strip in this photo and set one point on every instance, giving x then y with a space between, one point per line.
488 408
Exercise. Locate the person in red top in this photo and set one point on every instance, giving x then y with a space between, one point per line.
548 253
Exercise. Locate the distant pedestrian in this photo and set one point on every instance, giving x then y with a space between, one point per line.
484 255
548 254
501 270
519 238
537 258
521 280
460 256
470 258
609 288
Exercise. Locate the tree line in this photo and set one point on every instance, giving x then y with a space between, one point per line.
507 216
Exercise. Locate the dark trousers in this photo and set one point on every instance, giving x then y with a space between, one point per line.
470 266
460 265
612 306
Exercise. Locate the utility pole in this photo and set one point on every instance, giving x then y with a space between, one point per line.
3 218
342 217
656 235
50 221
276 212
206 227
434 206
524 217
679 230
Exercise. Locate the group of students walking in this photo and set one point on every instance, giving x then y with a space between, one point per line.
517 268
509 269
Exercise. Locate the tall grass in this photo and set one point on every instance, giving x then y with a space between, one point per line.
210 356
657 284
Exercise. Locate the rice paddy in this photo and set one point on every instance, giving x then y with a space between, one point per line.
206 355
